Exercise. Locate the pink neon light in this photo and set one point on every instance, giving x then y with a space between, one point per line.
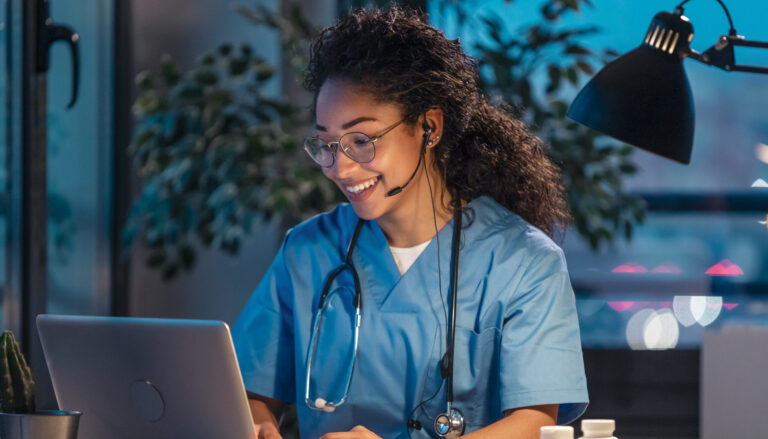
730 306
621 306
630 268
724 268
667 268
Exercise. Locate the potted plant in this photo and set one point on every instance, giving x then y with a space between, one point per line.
19 419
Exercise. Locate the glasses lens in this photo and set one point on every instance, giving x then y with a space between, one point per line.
358 147
319 151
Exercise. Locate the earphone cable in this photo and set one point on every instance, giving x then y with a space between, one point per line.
440 287
437 238
410 416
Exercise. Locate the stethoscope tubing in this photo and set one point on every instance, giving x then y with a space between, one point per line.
454 293
358 304
350 371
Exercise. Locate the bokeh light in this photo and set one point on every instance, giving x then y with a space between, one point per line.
636 328
630 268
683 310
661 331
650 329
697 309
621 305
609 326
761 151
667 268
725 268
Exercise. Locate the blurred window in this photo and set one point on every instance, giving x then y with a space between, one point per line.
4 154
700 258
80 171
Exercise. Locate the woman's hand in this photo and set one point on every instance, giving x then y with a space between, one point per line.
265 412
267 430
358 432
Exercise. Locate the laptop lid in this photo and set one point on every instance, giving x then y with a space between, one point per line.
146 378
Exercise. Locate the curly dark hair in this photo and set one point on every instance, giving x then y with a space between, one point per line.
484 150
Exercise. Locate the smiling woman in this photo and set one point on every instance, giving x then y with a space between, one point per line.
391 156
473 335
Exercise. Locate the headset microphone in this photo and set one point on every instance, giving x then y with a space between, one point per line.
427 132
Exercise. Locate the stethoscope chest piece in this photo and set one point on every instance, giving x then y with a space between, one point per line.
450 426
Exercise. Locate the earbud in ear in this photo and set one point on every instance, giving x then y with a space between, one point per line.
427 133
425 126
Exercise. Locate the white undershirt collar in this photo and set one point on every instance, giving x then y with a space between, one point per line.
406 256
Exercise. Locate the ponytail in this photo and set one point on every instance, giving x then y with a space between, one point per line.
499 156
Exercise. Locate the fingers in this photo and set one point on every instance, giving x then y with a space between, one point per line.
267 430
358 432
343 435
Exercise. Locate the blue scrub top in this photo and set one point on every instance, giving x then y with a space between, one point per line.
517 333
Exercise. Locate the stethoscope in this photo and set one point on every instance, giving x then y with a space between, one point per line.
449 424
320 403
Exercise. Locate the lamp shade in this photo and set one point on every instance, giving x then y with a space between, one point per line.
643 97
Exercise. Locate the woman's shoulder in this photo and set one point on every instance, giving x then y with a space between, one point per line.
327 227
517 253
508 230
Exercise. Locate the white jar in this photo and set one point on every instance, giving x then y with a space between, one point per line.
556 432
598 428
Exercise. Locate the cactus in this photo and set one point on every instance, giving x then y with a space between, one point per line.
17 388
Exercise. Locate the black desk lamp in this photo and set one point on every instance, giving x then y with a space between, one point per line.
643 97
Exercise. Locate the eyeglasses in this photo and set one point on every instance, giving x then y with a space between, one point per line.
357 146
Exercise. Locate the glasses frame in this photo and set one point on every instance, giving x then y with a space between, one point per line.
335 146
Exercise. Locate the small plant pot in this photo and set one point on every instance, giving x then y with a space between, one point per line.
43 424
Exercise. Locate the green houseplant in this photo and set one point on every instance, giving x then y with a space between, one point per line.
19 418
513 61
217 154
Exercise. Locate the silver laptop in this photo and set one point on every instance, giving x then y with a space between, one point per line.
147 378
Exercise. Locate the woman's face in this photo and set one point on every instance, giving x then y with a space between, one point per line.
343 107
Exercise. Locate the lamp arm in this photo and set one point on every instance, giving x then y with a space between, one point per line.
749 43
721 55
740 41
